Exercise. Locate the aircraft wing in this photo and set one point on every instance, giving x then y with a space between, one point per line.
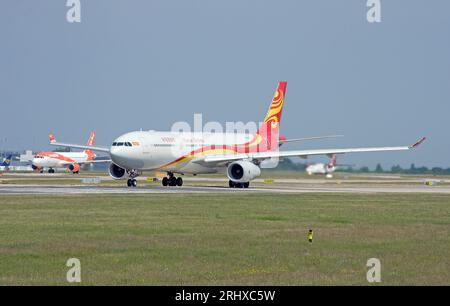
223 159
89 162
84 147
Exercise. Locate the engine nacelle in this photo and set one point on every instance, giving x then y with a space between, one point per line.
117 172
75 168
243 171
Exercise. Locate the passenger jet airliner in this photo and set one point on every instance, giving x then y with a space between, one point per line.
321 168
69 160
240 156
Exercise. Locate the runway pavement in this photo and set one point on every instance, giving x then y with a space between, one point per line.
79 189
304 180
63 183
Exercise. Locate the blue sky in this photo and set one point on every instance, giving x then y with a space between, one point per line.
146 64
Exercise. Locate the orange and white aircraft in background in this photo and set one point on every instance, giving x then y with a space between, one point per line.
69 160
241 156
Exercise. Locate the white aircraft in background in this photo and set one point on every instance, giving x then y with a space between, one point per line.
321 168
69 160
240 156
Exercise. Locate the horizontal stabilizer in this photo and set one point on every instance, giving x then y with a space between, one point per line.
309 138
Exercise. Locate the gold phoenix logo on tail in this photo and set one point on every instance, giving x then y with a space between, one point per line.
274 114
269 130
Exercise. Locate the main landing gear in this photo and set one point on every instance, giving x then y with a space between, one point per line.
232 184
171 180
132 183
51 170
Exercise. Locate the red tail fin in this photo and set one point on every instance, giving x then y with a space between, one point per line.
332 162
276 107
270 128
91 142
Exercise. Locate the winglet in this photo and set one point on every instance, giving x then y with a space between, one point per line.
52 138
418 143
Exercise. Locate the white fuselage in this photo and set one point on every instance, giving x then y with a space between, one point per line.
172 151
58 159
320 169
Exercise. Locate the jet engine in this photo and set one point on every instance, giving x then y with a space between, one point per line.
117 172
75 168
243 171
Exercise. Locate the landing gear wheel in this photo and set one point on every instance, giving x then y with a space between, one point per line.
245 185
51 171
131 183
231 184
171 180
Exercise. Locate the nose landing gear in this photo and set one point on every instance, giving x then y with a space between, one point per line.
132 174
171 180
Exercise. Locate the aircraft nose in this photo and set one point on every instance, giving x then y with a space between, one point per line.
119 156
116 154
126 158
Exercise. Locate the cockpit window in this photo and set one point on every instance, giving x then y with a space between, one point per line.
121 144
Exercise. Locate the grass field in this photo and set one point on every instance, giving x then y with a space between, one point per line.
232 239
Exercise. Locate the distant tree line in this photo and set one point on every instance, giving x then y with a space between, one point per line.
399 170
